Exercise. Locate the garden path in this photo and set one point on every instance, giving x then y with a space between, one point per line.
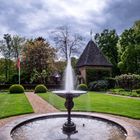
39 105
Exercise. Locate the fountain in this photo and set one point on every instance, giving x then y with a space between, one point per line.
69 93
82 126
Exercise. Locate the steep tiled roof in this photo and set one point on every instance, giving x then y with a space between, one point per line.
92 56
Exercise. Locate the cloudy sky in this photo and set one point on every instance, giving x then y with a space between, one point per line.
32 18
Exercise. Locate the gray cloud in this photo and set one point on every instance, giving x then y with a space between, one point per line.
32 18
122 14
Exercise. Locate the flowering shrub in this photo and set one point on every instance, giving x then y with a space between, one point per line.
99 85
128 81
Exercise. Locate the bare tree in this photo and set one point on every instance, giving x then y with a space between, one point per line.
67 43
17 45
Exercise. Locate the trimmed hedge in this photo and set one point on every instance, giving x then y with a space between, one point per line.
16 88
40 89
82 87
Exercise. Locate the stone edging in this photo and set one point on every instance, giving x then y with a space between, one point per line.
132 132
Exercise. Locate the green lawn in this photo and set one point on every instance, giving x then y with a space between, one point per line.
14 104
99 102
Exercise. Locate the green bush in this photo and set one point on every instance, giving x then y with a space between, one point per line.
40 89
120 91
111 82
82 87
100 85
138 91
128 81
16 89
117 90
96 74
134 94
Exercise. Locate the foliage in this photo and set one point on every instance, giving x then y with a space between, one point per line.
96 74
121 91
39 77
128 81
129 50
2 70
40 89
107 41
6 50
99 85
138 91
99 102
10 48
17 45
16 88
2 79
74 62
82 87
111 82
14 104
66 42
60 66
38 55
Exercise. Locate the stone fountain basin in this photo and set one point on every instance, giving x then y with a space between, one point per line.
72 93
5 132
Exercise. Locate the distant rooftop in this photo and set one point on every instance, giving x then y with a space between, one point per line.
92 56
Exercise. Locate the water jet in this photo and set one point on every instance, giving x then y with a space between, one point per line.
69 93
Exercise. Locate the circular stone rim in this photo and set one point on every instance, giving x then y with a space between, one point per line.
65 116
5 132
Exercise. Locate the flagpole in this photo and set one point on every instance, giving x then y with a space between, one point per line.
18 66
19 75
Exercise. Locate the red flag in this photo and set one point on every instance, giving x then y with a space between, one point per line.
18 63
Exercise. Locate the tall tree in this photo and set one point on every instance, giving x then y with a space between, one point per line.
129 49
6 50
107 41
67 43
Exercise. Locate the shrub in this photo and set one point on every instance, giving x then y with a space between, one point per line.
124 92
40 89
117 90
82 87
128 81
16 89
134 94
111 82
138 91
96 74
99 85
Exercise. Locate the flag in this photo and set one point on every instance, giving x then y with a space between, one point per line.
18 63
